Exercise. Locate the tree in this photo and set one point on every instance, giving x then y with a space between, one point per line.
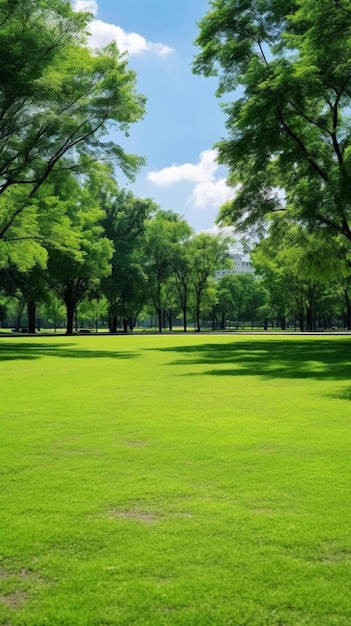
180 263
256 300
235 285
92 310
124 225
58 101
207 253
180 277
54 310
224 303
72 274
286 64
163 232
301 261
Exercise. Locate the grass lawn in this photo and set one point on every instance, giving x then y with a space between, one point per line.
175 480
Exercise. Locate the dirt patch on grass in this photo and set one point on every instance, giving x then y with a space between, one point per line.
147 517
15 584
139 516
3 573
14 599
335 555
22 574
136 444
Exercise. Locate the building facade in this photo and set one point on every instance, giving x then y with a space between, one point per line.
241 263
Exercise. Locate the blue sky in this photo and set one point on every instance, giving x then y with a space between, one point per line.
183 118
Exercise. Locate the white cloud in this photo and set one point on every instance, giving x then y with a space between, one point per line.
102 33
209 189
201 172
211 193
90 6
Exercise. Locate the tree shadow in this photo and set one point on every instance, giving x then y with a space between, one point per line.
27 351
327 359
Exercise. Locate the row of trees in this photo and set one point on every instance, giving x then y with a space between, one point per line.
126 254
153 266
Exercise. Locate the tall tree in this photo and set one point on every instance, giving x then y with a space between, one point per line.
180 260
163 233
58 101
286 67
225 303
73 273
235 284
124 224
256 300
207 253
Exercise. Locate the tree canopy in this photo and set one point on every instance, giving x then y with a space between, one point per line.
58 102
286 68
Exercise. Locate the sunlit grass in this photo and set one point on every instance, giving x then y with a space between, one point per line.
176 480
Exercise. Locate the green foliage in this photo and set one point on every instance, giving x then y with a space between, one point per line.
165 231
288 124
58 102
124 225
73 273
296 263
207 253
242 297
54 310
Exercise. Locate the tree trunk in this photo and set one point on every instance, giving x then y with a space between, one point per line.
185 323
170 316
70 311
19 316
309 317
223 321
112 322
213 320
159 315
31 309
301 321
197 319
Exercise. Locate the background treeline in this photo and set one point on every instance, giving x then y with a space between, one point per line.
132 258
139 265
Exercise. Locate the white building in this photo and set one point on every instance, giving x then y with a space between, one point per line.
242 265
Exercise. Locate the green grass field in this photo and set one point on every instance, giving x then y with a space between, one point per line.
175 480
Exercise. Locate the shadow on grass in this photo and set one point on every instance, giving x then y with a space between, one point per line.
10 351
322 360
